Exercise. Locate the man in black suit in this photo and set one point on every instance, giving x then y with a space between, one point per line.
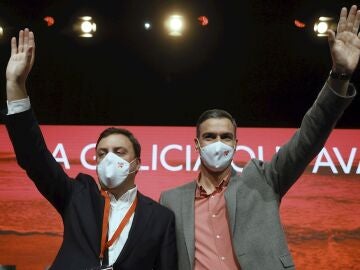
114 225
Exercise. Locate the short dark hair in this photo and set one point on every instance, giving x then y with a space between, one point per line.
113 130
214 113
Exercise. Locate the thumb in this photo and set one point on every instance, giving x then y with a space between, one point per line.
331 37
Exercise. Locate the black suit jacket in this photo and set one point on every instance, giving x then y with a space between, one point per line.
151 243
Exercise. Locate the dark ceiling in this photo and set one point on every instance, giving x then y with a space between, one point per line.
250 60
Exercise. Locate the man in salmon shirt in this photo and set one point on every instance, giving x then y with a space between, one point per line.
228 221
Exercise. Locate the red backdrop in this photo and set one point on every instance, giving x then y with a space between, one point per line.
321 213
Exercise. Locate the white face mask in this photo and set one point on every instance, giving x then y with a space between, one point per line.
113 170
217 156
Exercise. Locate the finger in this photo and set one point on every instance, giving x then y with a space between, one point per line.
331 38
13 46
29 54
31 39
21 41
32 45
356 23
351 18
26 39
342 21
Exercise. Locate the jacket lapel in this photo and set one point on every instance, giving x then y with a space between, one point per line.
230 197
188 219
99 212
94 218
142 214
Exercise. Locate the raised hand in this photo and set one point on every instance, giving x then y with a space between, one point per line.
345 44
20 63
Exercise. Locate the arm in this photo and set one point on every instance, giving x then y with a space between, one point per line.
29 145
291 160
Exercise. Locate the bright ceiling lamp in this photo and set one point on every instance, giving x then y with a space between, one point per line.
175 25
85 27
323 25
147 25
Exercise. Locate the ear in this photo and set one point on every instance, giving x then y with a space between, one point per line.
196 141
138 165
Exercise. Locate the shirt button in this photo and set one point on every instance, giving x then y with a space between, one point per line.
212 196
213 215
222 258
218 237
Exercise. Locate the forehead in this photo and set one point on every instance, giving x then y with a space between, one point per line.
216 125
116 140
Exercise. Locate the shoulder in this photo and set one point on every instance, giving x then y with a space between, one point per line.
254 168
173 198
85 179
85 182
157 207
178 190
255 164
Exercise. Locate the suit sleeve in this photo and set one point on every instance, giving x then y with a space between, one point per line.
291 160
162 199
168 258
34 157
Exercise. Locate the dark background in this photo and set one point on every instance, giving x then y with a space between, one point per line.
250 60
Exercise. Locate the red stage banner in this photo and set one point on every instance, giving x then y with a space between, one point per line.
321 213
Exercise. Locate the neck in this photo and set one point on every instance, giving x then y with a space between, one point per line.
118 193
209 180
122 189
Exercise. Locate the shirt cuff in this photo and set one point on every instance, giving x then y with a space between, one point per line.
18 106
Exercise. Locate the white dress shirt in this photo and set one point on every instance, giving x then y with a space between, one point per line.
18 106
118 210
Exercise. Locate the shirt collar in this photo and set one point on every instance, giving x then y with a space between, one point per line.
200 191
127 198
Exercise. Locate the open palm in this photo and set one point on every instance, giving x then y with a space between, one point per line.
22 57
345 45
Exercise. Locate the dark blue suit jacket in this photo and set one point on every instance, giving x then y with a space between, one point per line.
151 243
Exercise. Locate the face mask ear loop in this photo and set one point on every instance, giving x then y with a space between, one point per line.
198 145
130 165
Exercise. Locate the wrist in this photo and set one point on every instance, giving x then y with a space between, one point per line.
337 74
15 90
339 84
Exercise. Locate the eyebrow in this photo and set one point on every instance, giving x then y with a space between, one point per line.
115 149
222 135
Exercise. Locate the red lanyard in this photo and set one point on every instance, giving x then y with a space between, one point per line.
105 224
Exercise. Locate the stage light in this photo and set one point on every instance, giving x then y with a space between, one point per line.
50 21
147 25
203 20
323 25
1 32
299 24
175 25
86 27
